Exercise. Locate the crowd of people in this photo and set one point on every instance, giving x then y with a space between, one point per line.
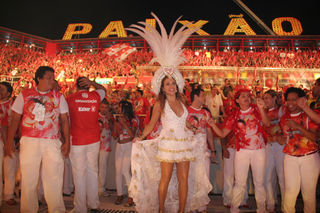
20 62
167 133
277 135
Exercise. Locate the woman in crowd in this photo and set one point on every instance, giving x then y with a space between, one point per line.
106 126
274 147
301 160
126 128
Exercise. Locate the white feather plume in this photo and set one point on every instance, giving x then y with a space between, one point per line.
166 48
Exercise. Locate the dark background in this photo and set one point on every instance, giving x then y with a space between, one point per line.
49 19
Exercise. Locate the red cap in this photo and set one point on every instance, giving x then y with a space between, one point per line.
241 90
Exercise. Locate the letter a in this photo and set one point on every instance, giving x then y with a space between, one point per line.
238 25
114 28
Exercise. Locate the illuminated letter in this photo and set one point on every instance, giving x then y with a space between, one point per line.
151 22
197 24
295 23
238 25
114 28
71 30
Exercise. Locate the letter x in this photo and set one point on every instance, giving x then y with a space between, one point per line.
197 24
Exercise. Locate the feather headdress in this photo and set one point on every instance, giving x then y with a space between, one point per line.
167 50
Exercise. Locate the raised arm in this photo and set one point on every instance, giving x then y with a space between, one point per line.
302 103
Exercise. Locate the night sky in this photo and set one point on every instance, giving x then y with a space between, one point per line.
49 19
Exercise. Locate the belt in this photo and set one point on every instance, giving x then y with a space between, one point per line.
310 153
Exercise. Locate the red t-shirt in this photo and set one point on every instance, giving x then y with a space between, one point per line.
84 113
229 106
141 106
296 143
274 130
3 118
157 128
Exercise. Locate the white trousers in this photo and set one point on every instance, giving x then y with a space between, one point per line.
47 153
274 168
242 161
84 162
10 168
68 186
123 165
1 177
228 173
103 162
301 173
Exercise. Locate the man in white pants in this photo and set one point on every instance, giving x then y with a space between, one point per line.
40 110
85 140
301 161
198 118
10 164
246 123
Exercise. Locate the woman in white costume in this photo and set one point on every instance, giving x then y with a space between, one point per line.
167 166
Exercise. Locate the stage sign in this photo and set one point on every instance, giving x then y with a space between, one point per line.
237 24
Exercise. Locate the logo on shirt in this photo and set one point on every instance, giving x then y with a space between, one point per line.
84 109
84 95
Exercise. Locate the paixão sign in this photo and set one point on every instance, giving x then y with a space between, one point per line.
237 24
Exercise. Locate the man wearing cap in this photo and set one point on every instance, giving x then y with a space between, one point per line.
247 124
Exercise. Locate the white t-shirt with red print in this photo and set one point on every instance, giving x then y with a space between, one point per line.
247 127
40 112
199 118
105 133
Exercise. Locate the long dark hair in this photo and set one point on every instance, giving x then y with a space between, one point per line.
162 96
127 110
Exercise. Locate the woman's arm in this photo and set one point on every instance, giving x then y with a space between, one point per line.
264 116
220 132
131 130
302 103
156 112
309 133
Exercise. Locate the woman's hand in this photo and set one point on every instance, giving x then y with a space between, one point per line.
136 139
211 122
302 103
260 103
